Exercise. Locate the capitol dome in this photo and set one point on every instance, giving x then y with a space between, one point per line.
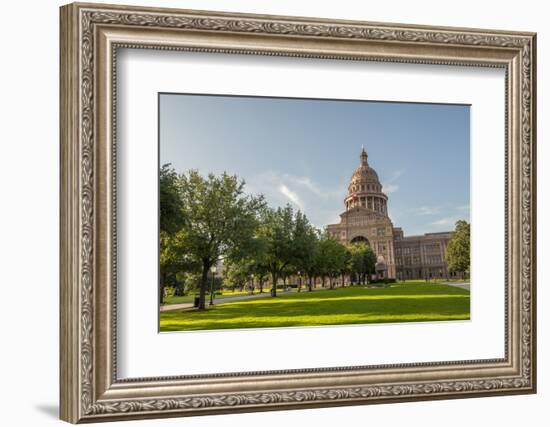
363 175
364 189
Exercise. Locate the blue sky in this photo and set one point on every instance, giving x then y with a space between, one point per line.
303 152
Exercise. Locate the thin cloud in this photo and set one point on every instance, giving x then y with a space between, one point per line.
449 220
390 188
426 210
321 204
291 195
390 185
306 182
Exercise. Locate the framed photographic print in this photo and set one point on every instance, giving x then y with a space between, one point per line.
265 212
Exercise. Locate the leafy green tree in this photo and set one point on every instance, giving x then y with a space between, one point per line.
312 265
305 246
220 220
288 271
171 214
167 260
345 266
171 220
362 261
277 231
457 254
237 273
333 257
258 257
175 259
191 279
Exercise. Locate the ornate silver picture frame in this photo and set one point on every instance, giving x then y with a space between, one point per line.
91 35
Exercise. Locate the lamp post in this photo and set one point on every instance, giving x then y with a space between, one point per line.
212 290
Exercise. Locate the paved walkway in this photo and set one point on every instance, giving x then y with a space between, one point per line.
462 285
180 306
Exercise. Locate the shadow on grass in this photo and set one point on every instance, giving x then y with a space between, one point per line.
404 303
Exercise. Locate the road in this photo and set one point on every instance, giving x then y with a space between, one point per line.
462 285
183 305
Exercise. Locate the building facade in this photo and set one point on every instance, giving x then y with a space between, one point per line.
366 219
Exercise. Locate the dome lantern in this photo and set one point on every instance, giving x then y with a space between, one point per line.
363 157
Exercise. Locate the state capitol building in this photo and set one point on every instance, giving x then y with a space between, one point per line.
366 220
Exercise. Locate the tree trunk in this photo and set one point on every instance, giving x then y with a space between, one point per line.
274 287
343 280
261 285
204 285
309 283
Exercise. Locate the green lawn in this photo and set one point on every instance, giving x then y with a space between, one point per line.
410 302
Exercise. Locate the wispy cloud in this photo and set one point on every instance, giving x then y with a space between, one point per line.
390 188
449 220
291 195
390 185
426 210
321 204
306 182
443 217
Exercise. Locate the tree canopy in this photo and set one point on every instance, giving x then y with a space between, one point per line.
363 260
457 254
171 213
205 219
216 218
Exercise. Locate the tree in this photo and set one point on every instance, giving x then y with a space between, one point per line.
220 220
345 267
258 256
457 254
331 258
171 214
277 231
167 261
175 258
305 245
362 261
237 273
311 264
171 220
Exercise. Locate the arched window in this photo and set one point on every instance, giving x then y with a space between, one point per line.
360 239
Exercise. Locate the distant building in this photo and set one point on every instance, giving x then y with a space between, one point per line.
366 220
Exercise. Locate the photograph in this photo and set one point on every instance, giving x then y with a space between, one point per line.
300 212
272 209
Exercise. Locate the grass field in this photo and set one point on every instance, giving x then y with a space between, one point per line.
410 302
